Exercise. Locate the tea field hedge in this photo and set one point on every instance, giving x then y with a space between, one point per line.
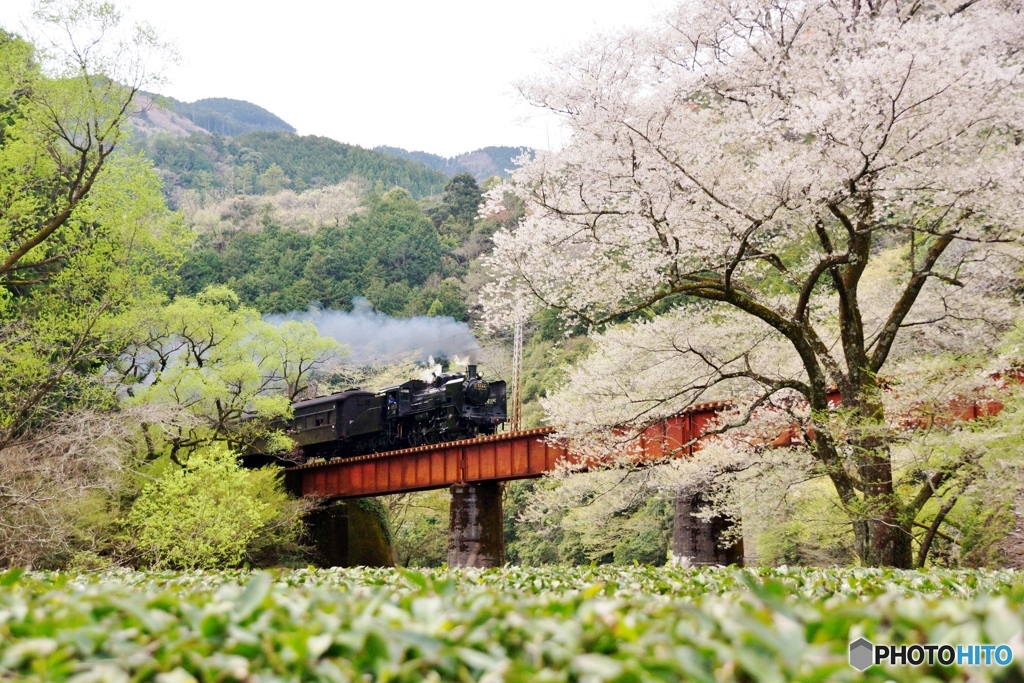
637 624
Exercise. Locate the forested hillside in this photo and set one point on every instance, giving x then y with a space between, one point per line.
267 162
386 254
481 163
234 147
155 114
311 160
226 116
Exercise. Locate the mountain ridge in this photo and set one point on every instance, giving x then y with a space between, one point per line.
214 115
481 163
237 147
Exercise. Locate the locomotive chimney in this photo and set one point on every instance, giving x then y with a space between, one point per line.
470 371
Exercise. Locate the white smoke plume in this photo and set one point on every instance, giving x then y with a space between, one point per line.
374 337
432 370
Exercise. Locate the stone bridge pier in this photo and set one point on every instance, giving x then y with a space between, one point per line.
350 533
476 531
698 542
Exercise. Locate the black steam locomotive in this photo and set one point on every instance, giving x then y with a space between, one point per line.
452 406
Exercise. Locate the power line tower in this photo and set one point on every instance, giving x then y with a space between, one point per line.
517 377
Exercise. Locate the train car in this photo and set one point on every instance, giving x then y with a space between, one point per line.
346 423
452 406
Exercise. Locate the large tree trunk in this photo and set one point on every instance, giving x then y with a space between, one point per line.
884 541
887 544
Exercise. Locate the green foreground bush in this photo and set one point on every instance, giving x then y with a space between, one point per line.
213 513
584 624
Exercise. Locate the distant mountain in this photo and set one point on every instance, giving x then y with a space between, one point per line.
265 162
482 163
217 115
225 116
315 161
152 117
233 147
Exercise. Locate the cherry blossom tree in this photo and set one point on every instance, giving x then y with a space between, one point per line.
820 194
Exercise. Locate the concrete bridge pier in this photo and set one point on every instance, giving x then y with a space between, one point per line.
697 542
350 533
476 534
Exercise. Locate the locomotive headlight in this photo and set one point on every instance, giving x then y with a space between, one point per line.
477 391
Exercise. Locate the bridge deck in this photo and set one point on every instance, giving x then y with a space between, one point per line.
499 457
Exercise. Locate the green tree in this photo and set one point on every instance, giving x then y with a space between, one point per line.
462 197
57 335
84 233
58 133
448 301
273 180
220 373
211 512
392 299
396 234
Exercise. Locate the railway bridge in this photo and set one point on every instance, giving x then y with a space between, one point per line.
474 470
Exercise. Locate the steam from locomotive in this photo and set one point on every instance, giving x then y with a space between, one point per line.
374 337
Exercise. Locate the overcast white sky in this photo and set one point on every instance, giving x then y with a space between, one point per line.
432 76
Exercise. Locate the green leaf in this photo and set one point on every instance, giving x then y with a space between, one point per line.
253 595
11 576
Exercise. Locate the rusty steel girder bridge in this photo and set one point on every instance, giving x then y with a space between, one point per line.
498 457
474 470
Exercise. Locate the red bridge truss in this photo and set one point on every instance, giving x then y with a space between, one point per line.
472 468
500 457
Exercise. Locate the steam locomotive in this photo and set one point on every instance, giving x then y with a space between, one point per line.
452 406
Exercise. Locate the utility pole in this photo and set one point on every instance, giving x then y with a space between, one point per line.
517 377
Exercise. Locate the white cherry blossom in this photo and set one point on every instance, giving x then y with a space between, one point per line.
823 192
